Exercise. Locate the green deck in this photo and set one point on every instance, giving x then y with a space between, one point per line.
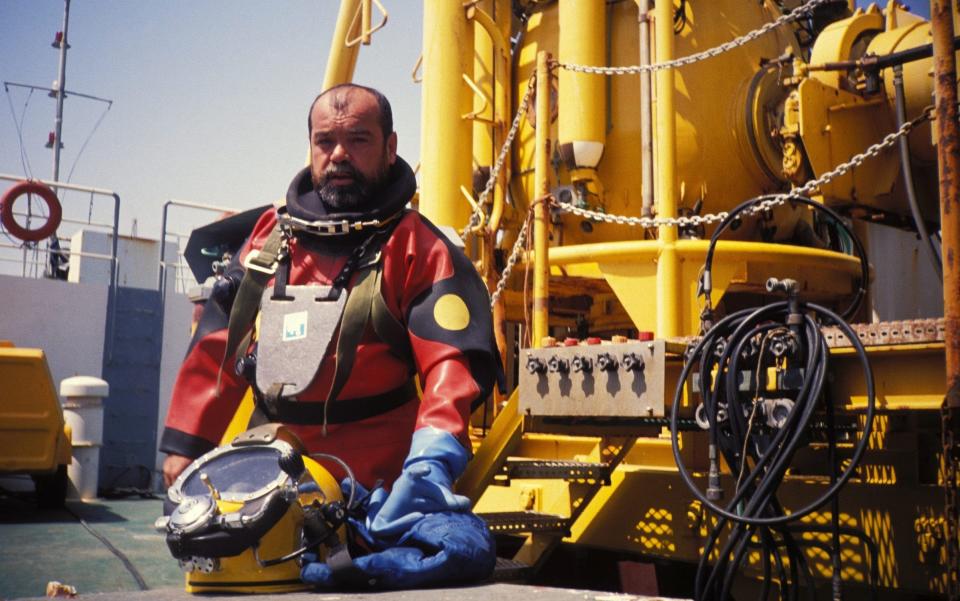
38 546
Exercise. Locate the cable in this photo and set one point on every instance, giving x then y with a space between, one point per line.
24 158
87 141
757 431
932 252
117 552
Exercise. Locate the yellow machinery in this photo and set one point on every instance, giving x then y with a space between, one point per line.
34 439
587 163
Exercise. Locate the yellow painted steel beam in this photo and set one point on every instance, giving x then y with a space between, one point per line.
668 269
501 440
342 59
445 136
908 376
541 219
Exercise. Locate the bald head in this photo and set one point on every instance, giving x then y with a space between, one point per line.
339 97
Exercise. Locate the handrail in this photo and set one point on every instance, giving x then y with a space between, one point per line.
163 232
364 12
112 295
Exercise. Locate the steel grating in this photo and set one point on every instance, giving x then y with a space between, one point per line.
519 522
567 470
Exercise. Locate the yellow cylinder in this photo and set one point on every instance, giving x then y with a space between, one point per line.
446 136
582 97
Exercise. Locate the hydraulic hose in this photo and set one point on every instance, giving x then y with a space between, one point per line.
757 428
907 170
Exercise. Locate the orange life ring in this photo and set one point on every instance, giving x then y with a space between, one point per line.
53 207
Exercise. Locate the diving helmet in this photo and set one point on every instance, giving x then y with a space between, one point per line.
238 518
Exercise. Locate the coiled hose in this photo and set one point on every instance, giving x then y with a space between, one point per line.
757 430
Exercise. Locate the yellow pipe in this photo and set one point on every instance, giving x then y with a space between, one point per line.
445 136
367 10
541 223
668 268
342 59
491 73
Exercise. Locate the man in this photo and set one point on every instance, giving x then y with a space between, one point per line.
368 415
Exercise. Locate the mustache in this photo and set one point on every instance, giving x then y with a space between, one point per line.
340 170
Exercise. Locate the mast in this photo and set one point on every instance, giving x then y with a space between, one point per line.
61 41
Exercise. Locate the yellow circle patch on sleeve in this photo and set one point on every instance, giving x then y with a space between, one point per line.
451 313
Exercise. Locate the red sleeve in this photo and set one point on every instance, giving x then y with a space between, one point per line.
199 413
437 292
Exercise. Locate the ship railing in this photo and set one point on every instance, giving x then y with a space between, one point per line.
183 276
113 226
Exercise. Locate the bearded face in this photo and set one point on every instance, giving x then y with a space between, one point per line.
350 153
344 188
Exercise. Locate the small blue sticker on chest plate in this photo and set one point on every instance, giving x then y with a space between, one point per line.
294 326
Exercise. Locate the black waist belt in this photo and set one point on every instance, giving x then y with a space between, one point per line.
341 412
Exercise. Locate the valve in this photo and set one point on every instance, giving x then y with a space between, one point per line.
632 362
246 367
582 364
557 365
777 411
607 362
700 416
535 365
224 290
784 345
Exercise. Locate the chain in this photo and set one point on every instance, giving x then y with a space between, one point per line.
502 157
511 262
694 220
762 206
699 56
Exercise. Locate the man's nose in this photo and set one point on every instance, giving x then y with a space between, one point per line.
339 154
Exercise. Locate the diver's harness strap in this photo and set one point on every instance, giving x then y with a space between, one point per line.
364 305
338 412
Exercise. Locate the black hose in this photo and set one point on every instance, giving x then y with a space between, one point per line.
782 334
117 552
921 225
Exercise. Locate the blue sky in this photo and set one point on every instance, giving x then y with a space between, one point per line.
210 96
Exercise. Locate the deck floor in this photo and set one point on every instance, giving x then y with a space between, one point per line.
38 546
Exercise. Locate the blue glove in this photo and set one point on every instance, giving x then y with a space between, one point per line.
425 485
441 548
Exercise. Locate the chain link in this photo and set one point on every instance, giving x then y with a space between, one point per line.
501 158
762 206
699 56
511 262
695 220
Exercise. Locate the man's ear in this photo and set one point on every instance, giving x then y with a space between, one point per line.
392 148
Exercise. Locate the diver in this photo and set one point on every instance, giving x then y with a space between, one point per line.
341 301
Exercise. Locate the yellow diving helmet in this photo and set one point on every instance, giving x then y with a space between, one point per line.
239 517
